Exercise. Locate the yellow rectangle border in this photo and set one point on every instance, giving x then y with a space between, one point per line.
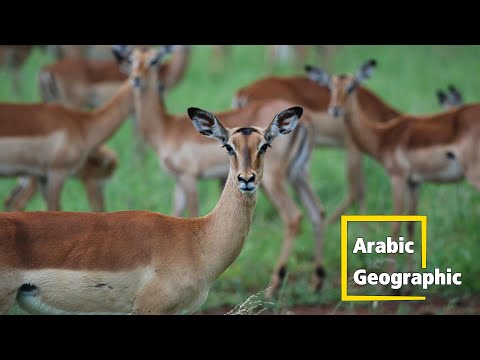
344 245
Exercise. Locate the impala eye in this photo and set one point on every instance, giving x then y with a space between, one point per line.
264 148
229 149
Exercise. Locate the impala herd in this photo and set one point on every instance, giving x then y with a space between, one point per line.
138 262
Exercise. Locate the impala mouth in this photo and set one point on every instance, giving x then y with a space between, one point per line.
247 188
336 111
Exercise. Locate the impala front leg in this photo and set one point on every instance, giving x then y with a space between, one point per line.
22 194
52 187
186 196
414 193
94 189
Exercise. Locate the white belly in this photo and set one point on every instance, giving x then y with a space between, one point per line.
82 292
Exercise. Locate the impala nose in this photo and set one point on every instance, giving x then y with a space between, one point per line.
137 82
247 183
335 111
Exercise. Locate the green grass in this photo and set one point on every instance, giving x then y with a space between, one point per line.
407 77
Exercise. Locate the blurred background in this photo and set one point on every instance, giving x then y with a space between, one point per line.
407 77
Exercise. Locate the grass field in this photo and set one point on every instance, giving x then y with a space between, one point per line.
407 78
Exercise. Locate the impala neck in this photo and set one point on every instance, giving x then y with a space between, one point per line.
151 112
228 227
104 121
363 130
173 71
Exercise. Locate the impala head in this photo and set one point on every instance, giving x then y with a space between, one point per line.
246 146
341 86
143 63
450 99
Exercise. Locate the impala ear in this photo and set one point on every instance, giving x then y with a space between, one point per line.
121 53
317 74
283 123
207 124
442 97
456 98
161 53
366 70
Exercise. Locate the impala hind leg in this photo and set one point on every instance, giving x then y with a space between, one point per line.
398 189
22 194
52 186
356 184
316 214
291 216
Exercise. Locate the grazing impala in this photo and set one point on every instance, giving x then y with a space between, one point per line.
438 148
96 171
329 131
137 262
450 99
189 158
52 142
85 83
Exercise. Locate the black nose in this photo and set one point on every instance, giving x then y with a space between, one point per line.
335 111
251 179
137 82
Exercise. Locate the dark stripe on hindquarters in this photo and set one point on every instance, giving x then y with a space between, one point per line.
301 156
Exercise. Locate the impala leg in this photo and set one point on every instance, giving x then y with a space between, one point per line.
22 194
179 201
291 216
413 194
52 187
316 214
398 188
356 184
94 189
186 196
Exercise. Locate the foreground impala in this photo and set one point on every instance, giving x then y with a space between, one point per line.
438 148
136 262
189 158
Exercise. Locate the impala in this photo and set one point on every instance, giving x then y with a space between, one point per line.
438 148
51 142
189 158
137 262
329 131
84 83
97 170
